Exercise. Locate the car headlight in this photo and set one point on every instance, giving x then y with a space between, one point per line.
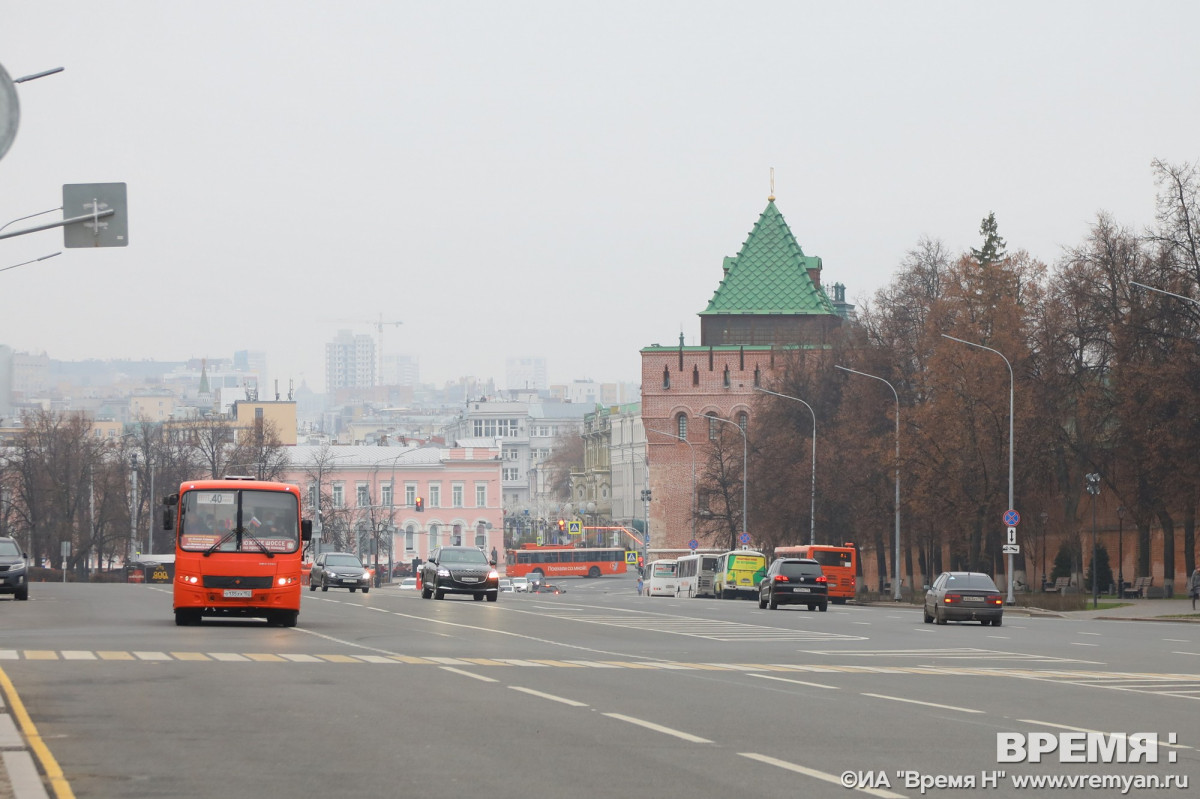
443 571
365 576
493 575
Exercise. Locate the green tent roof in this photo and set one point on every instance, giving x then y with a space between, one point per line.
770 274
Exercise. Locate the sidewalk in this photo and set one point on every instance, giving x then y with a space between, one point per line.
1179 609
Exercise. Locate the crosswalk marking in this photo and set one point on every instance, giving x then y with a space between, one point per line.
1182 686
710 629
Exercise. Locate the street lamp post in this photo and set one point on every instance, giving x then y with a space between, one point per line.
896 557
812 512
1120 551
133 500
1093 488
745 465
1043 516
1010 600
693 451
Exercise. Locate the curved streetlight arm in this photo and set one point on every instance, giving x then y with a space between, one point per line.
1009 600
896 557
1161 291
693 451
812 512
34 261
745 463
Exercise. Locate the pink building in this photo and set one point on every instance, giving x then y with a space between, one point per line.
402 502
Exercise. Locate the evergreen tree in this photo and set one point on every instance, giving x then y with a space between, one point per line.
993 245
1104 567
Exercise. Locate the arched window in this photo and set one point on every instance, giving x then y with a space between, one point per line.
435 539
743 421
666 377
695 375
757 376
681 425
480 535
726 376
456 536
410 538
714 427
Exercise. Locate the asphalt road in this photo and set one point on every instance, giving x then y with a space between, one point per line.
593 693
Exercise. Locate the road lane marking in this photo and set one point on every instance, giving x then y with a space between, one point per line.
470 674
190 656
650 725
820 775
551 697
926 704
1088 729
796 682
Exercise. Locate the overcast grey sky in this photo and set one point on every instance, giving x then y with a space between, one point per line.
559 179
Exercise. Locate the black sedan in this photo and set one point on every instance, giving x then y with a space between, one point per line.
964 596
794 581
459 570
339 570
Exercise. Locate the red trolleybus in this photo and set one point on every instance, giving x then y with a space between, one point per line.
565 561
839 564
238 546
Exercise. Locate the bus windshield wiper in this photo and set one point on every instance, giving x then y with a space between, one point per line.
260 544
217 545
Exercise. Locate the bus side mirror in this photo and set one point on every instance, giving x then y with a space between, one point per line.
168 519
306 530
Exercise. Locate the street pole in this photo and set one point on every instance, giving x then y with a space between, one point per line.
896 557
1010 600
1120 552
812 512
1093 488
133 501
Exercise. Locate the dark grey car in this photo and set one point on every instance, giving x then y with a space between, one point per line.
964 596
459 570
339 570
14 569
794 581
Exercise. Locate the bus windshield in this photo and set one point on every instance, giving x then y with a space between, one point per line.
239 521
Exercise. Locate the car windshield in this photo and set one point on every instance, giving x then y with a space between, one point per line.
9 549
342 560
977 581
463 556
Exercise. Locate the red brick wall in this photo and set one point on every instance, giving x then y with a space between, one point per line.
670 460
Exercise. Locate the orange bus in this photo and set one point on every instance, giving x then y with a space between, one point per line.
839 564
554 560
238 545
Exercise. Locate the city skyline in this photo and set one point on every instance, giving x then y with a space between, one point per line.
549 178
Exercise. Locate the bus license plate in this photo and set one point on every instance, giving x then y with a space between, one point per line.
238 593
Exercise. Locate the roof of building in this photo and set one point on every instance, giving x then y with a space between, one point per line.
770 274
359 456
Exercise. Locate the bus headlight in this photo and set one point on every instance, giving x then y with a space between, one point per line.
189 579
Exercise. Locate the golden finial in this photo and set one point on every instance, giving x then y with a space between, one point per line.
771 196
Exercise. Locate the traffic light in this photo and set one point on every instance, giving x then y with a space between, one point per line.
420 505
562 525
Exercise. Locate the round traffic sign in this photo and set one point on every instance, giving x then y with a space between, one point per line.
744 538
693 544
1011 518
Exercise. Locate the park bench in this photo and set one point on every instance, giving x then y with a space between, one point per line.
1059 584
1137 588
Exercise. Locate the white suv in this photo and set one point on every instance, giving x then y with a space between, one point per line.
520 584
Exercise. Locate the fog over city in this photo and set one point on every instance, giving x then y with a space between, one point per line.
548 179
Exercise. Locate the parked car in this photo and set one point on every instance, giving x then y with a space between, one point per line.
14 569
520 584
459 570
506 585
340 570
964 596
794 581
408 584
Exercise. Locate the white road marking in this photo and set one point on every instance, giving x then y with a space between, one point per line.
650 725
797 682
551 697
470 674
820 775
927 704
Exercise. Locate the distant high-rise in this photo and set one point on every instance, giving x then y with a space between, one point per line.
401 370
349 361
526 374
